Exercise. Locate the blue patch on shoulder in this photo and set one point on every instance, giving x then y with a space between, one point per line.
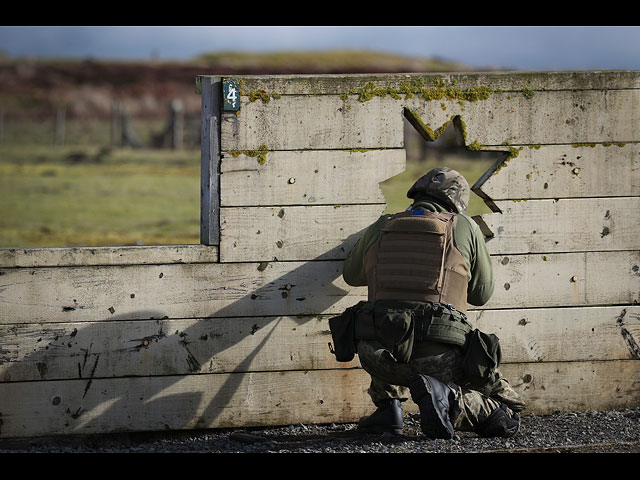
417 212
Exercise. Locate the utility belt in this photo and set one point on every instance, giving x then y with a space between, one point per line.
397 325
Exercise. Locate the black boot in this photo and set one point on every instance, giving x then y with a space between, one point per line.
386 419
432 397
503 422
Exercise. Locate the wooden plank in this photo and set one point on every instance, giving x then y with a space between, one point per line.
560 117
211 89
293 233
182 402
79 256
58 351
576 386
85 294
547 226
565 171
335 84
565 279
276 398
317 123
79 294
312 177
563 334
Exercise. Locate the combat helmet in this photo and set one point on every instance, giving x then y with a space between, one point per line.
443 183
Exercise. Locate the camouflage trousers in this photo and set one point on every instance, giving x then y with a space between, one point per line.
389 379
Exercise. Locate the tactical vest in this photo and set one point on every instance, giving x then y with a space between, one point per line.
415 259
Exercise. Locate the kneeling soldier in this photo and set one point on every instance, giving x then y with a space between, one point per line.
422 266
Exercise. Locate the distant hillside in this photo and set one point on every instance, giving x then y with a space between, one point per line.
89 87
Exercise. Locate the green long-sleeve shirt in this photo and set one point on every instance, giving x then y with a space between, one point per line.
468 239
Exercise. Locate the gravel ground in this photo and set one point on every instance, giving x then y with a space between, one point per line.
590 432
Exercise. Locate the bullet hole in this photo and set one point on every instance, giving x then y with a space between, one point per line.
133 295
527 378
75 331
507 286
607 214
56 401
545 186
112 310
523 321
68 309
161 275
574 279
281 213
285 294
279 244
254 328
253 296
204 337
291 181
505 260
604 232
262 266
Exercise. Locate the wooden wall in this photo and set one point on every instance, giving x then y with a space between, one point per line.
234 332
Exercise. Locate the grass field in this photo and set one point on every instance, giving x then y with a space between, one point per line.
87 196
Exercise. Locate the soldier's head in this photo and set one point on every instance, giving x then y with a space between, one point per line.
444 184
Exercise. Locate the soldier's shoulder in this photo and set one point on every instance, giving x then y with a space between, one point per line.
467 225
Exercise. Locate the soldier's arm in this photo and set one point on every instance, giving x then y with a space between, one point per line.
470 242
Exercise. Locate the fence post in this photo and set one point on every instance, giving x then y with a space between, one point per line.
177 124
60 126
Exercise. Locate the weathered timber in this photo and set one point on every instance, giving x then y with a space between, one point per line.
84 406
317 123
549 387
211 90
568 334
308 177
565 171
84 256
565 279
506 119
565 225
75 294
293 233
83 294
180 402
515 82
58 351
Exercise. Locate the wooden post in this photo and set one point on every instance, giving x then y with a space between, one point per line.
60 126
211 90
177 124
116 134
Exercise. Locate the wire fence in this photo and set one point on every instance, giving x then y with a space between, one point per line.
177 130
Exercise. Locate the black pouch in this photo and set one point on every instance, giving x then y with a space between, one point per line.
343 334
395 331
482 356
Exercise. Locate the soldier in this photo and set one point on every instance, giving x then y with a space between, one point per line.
421 268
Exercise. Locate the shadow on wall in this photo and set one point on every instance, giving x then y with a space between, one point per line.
166 357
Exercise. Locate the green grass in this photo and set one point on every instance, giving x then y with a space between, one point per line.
82 196
58 197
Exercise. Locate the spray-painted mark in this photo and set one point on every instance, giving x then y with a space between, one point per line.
93 371
634 348
42 369
192 361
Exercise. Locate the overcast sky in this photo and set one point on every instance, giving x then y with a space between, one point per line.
518 47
